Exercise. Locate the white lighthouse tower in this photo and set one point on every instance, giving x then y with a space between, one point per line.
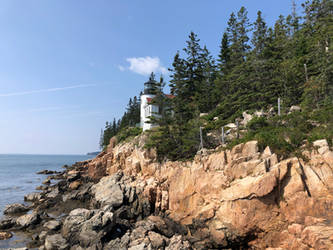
148 109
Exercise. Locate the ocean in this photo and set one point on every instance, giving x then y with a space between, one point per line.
18 174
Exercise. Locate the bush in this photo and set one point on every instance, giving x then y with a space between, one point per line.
127 133
257 123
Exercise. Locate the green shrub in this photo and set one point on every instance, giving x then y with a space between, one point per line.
127 133
257 123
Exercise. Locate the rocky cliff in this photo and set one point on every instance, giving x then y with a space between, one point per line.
239 196
236 199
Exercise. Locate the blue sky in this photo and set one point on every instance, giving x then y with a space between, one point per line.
67 66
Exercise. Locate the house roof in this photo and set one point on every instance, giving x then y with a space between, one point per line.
149 99
170 96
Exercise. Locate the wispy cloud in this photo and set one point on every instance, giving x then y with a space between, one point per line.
46 90
121 68
55 108
146 65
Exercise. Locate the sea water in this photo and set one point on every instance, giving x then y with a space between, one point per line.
18 174
18 177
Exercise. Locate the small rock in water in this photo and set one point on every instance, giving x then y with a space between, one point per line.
47 172
5 235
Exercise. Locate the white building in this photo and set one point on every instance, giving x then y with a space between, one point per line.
147 108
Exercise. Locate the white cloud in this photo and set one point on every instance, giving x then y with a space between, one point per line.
46 90
146 65
121 68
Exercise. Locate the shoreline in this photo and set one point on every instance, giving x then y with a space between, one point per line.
67 214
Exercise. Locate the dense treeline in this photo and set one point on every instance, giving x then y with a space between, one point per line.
291 61
130 118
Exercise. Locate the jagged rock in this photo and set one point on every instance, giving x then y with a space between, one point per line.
7 223
119 243
41 188
28 220
74 185
176 242
47 181
250 148
73 176
33 197
15 209
73 221
56 241
92 230
5 235
108 192
53 194
318 237
52 225
320 143
42 235
156 240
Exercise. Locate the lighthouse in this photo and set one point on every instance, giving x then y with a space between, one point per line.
148 109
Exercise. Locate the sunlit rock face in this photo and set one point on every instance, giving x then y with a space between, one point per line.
237 194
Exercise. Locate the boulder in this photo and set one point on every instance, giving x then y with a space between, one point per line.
28 220
250 148
52 225
295 108
74 185
56 241
320 143
108 192
47 181
73 221
119 243
15 209
42 235
7 223
5 235
95 228
53 194
157 241
33 197
176 242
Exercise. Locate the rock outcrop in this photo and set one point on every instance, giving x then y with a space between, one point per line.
238 198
